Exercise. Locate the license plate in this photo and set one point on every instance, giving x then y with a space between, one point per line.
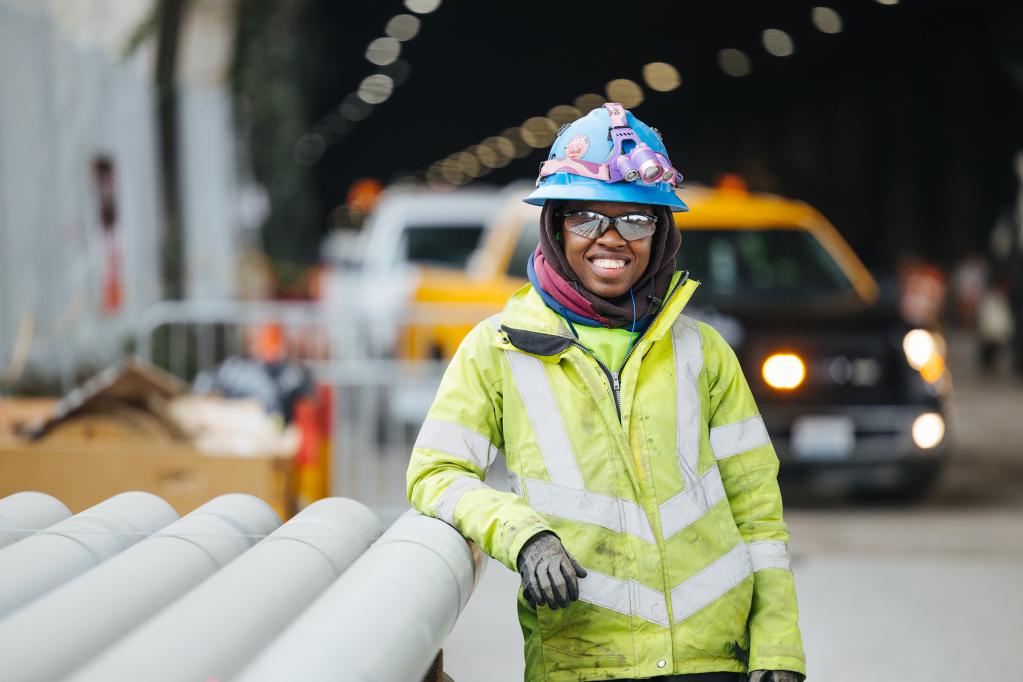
825 438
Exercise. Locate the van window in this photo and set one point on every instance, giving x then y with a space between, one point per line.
444 245
529 237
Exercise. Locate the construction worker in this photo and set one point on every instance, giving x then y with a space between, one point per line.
645 517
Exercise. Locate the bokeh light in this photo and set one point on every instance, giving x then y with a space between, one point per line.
661 76
625 92
375 89
503 148
383 51
516 139
353 108
778 42
422 6
468 163
402 27
484 154
538 131
826 20
734 62
588 102
563 113
928 430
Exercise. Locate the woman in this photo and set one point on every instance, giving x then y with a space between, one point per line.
645 518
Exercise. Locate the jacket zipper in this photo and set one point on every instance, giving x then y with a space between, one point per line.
614 378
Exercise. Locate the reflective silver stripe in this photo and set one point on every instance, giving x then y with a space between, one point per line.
692 503
731 439
576 504
495 321
688 361
768 554
445 507
711 583
649 604
546 419
627 597
457 441
514 484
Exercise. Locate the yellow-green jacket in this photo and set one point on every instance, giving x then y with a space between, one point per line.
661 482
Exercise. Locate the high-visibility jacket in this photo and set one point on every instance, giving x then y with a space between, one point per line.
660 480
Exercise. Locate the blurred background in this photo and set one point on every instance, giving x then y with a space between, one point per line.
240 240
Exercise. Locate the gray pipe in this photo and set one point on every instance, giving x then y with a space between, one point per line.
28 511
50 637
385 619
214 630
48 559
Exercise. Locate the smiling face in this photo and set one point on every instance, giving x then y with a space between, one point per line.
608 266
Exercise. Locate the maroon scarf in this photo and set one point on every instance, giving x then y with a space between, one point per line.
557 278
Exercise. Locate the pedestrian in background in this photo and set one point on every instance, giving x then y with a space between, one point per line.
645 518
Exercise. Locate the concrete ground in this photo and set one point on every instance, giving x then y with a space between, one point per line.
929 593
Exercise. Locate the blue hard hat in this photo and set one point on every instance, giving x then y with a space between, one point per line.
609 155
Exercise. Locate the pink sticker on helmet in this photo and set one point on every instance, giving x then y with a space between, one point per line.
576 147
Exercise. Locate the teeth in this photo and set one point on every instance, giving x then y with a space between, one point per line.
609 263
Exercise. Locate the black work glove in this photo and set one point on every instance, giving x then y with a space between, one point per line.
775 676
549 575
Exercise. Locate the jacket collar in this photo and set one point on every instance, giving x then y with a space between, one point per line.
531 327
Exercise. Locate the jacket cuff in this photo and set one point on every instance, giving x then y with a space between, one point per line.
515 543
789 663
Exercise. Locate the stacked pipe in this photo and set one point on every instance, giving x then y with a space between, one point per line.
90 612
219 626
29 510
385 619
125 591
36 565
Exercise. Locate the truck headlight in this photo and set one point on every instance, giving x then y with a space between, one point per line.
785 371
928 430
923 355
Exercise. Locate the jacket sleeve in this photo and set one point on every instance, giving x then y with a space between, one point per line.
459 441
749 471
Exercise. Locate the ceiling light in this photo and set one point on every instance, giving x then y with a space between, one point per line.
353 108
402 27
563 113
661 76
588 102
375 89
422 6
503 149
515 137
486 155
469 164
734 62
778 42
625 92
538 131
826 20
383 51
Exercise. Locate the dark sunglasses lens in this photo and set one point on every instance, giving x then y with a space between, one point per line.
632 230
585 226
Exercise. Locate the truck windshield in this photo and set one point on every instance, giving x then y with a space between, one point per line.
751 264
444 245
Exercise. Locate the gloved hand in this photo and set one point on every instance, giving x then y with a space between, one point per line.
775 676
549 575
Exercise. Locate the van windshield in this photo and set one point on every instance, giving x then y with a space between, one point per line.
752 264
444 245
529 237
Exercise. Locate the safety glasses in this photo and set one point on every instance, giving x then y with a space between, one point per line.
591 224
